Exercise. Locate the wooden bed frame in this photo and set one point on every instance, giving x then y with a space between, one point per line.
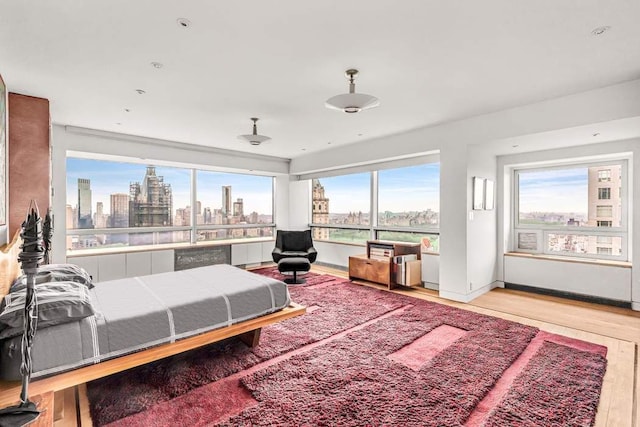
248 331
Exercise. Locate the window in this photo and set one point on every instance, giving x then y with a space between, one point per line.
409 205
117 204
577 244
407 209
234 201
604 193
554 199
604 211
604 240
343 201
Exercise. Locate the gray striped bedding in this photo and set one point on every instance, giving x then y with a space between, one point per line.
141 312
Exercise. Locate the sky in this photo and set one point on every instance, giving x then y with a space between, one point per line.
554 190
114 177
415 188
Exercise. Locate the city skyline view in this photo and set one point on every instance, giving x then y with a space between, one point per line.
411 188
107 178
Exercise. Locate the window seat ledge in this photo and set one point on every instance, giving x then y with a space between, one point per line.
604 262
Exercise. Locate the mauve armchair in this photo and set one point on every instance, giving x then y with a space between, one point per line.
294 244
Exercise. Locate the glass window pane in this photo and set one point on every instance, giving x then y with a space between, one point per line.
343 200
234 233
410 196
569 197
124 240
233 199
104 194
428 242
227 198
345 235
583 244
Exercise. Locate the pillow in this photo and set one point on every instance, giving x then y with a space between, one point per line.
58 302
56 273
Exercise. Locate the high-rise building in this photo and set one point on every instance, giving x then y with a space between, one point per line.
70 224
605 207
99 218
207 216
181 218
319 211
151 201
84 203
119 210
226 200
238 208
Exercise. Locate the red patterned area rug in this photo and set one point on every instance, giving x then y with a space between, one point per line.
362 356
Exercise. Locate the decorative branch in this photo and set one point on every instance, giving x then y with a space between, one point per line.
47 231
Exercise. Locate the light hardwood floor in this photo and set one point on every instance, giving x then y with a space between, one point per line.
616 328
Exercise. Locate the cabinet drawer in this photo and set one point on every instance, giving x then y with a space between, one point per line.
372 270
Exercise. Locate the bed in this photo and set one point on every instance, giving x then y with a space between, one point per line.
142 319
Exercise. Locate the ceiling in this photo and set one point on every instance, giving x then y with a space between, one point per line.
428 61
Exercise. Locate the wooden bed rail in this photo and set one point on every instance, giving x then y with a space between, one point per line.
249 329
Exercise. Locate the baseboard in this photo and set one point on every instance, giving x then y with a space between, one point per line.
432 286
635 306
334 266
470 296
570 295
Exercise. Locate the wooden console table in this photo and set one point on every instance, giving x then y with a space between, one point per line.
380 270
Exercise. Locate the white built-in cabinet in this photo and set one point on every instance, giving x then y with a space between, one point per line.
251 253
118 266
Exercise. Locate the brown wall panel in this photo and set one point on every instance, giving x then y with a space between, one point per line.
29 157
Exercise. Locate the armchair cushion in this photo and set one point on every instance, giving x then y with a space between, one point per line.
290 244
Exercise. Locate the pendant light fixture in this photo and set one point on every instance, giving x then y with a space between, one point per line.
352 102
254 138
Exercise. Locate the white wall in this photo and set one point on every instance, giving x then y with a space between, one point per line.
337 253
586 152
602 281
482 229
461 239
119 147
469 249
453 222
299 204
610 103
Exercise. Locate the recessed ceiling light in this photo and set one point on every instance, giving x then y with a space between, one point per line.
329 143
141 92
156 65
360 134
119 124
184 22
595 134
304 149
600 30
126 110
515 146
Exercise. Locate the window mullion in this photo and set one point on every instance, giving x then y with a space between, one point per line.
194 204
